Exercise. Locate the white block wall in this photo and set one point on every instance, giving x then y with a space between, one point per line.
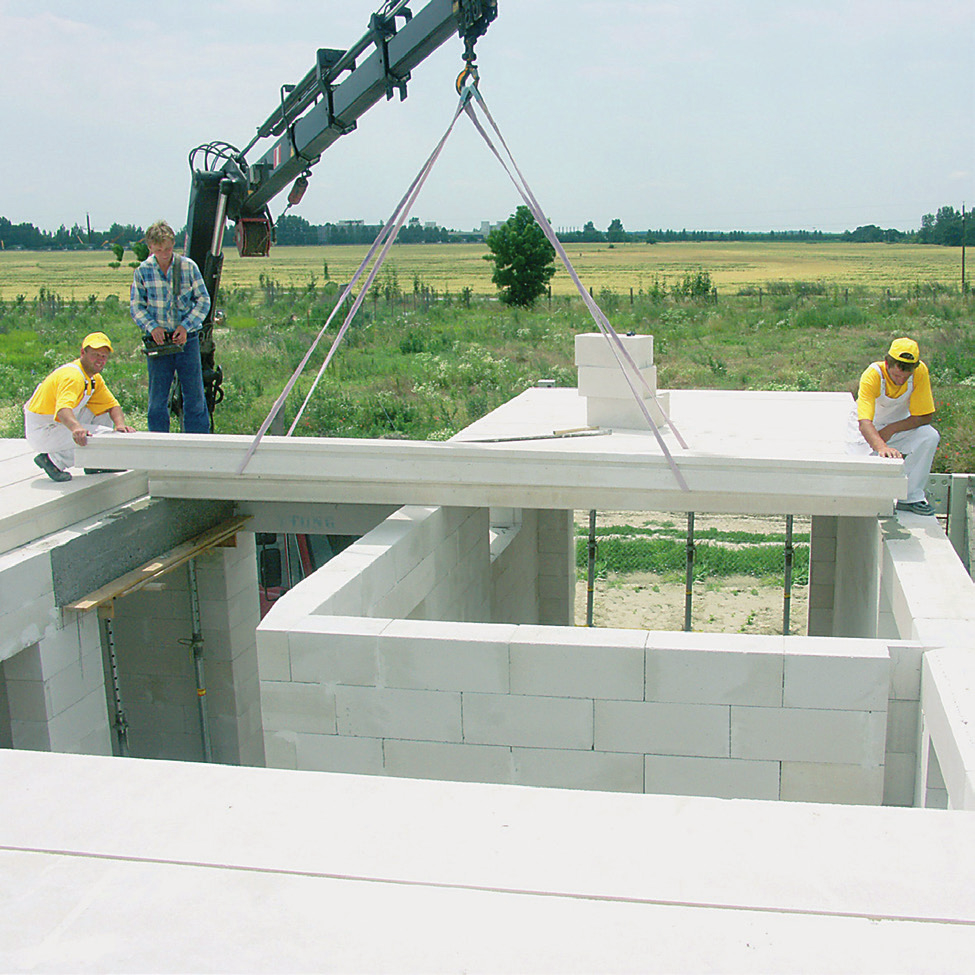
55 691
617 710
856 592
157 675
928 601
54 695
822 574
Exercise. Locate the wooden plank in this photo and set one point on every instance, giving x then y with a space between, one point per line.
173 559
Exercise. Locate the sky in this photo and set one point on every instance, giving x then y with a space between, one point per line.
699 114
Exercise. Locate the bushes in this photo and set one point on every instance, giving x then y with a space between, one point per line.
425 367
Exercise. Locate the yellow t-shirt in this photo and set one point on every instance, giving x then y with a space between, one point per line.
65 387
922 401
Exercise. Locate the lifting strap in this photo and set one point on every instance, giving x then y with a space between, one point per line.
468 97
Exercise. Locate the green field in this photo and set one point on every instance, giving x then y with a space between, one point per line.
425 357
452 267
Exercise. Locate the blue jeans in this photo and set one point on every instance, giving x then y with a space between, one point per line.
187 366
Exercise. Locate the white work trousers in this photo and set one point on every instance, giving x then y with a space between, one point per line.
46 435
918 447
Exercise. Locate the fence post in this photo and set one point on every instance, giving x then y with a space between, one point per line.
787 599
592 565
689 579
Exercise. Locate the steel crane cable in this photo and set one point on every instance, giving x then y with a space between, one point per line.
382 243
615 342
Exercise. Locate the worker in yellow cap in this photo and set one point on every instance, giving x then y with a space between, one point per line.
894 410
70 405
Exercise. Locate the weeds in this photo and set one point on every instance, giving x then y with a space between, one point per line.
424 364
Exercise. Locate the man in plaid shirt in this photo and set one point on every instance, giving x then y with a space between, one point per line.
171 318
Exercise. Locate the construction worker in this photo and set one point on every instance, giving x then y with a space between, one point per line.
70 405
894 410
169 302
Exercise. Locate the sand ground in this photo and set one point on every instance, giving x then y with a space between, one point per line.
731 604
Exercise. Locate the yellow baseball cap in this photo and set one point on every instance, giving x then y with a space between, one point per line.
96 340
905 350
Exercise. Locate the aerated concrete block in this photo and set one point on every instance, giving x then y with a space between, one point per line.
24 579
280 750
905 671
662 729
804 735
297 707
723 778
848 675
899 775
273 655
441 656
846 784
902 727
578 662
715 676
611 382
385 713
75 728
336 753
336 650
539 722
589 770
448 761
595 349
625 414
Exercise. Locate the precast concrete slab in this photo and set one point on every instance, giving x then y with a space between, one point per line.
749 453
206 868
32 505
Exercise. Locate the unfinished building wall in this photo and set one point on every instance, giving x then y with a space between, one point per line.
153 629
55 690
856 594
556 568
822 574
514 565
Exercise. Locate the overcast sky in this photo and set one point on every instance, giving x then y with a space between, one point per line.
704 114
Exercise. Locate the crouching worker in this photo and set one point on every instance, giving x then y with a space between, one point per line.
894 410
70 405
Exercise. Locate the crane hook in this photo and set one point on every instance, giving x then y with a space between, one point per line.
468 75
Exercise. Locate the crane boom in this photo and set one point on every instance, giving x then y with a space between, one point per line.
312 115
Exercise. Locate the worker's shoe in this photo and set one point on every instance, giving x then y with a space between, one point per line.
916 507
54 472
102 470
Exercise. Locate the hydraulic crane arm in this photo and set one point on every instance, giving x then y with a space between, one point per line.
312 114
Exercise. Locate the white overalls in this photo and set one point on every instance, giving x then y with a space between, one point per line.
917 445
46 434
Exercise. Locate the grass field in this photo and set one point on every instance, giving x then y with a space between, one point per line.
424 364
453 267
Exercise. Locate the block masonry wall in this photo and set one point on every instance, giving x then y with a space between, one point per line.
615 710
55 690
50 664
346 688
156 671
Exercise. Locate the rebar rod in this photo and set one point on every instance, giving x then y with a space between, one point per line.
196 642
689 576
121 724
592 566
789 552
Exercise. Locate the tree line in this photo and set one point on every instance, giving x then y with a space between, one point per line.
947 228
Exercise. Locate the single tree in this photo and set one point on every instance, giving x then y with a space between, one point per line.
523 259
615 233
590 234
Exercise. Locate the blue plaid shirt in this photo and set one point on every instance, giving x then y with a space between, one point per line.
151 296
